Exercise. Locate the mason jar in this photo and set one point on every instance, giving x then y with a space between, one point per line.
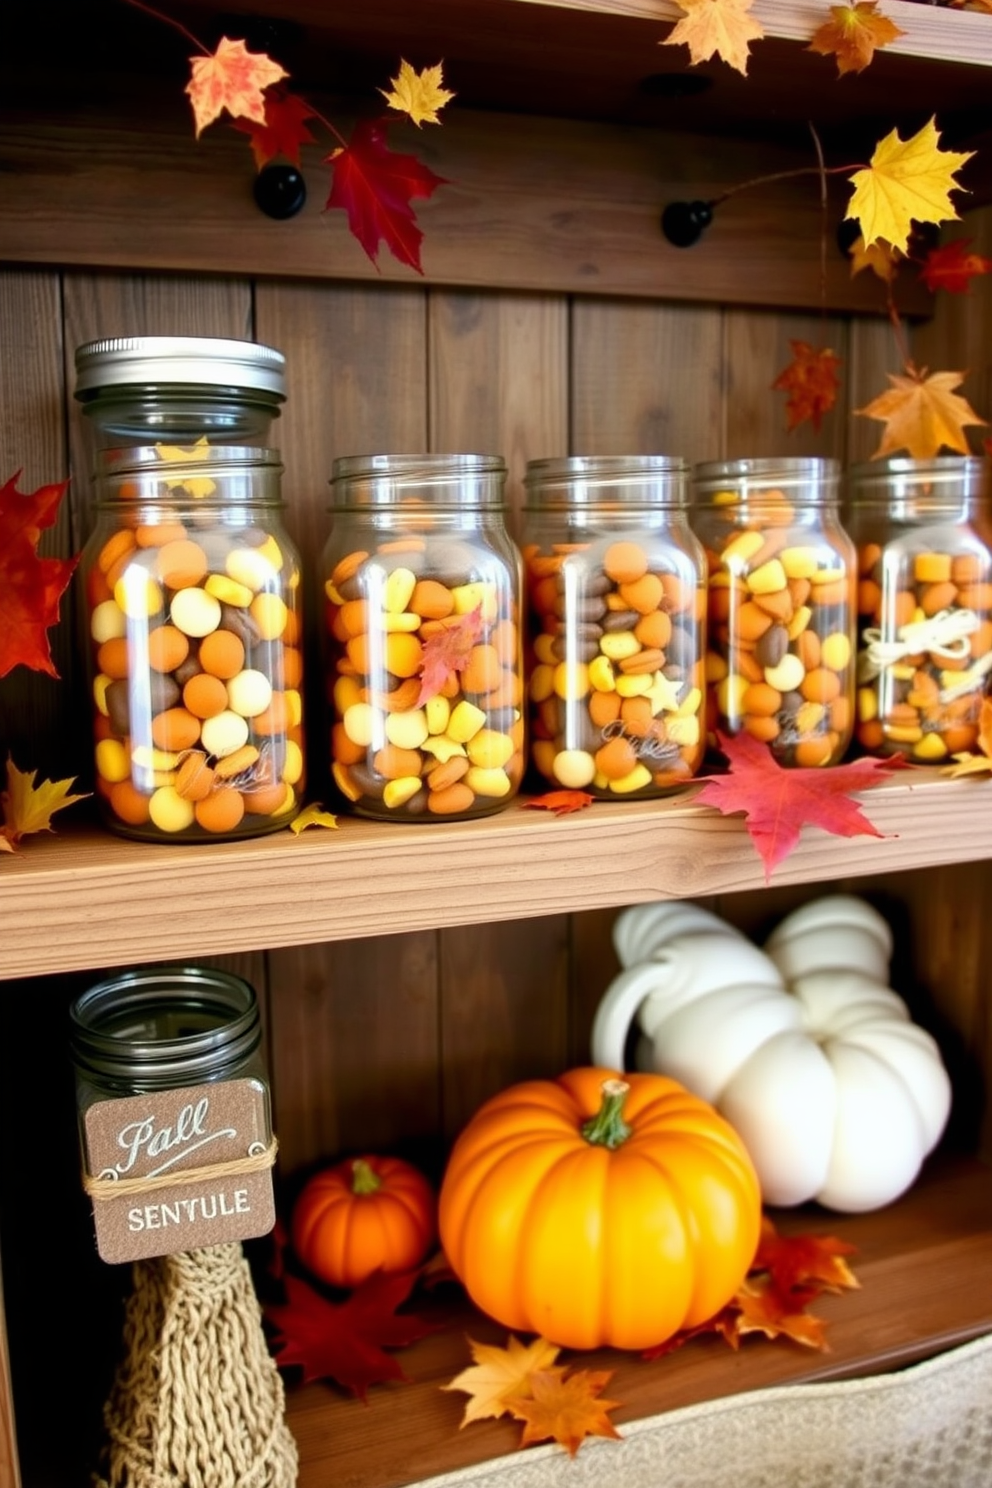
424 665
179 390
781 570
191 591
616 595
924 603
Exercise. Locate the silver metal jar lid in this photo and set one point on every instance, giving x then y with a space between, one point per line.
206 360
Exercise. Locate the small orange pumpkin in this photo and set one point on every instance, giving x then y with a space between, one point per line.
599 1210
362 1215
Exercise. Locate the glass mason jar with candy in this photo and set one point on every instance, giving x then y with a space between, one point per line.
191 589
780 646
924 538
616 597
423 647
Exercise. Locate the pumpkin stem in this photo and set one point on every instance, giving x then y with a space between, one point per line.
363 1179
608 1128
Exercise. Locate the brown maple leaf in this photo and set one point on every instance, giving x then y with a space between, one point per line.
447 650
501 1375
375 186
762 1309
811 382
26 807
283 131
952 267
723 27
779 801
853 34
231 78
922 414
804 1263
30 587
564 1406
347 1341
562 802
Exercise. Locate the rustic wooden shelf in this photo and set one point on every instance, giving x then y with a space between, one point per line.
60 894
925 1270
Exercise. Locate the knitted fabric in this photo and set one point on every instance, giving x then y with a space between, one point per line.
197 1401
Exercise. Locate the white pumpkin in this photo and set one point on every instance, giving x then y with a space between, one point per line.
836 1093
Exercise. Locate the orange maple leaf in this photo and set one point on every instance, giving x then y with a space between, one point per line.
447 651
723 27
952 267
234 79
853 34
922 414
499 1375
762 1309
283 131
562 802
807 1263
30 587
566 1407
811 382
967 763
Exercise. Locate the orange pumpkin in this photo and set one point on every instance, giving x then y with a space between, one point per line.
596 1210
362 1215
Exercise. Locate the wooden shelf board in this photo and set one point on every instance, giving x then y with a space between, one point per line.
83 898
925 1270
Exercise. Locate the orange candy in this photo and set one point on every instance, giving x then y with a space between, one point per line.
167 648
128 804
205 696
221 811
175 729
222 654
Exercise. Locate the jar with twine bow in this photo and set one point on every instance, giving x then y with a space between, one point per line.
177 1150
924 539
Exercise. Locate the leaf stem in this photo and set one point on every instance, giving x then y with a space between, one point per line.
169 21
785 175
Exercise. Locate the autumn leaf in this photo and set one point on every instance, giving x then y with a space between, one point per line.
313 816
922 414
562 802
447 651
27 807
952 267
30 587
811 382
907 181
283 130
234 79
198 486
778 801
723 27
418 94
853 34
966 763
808 1263
375 186
347 1341
500 1374
762 1309
880 257
565 1406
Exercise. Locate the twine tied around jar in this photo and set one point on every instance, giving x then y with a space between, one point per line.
944 634
197 1401
110 1185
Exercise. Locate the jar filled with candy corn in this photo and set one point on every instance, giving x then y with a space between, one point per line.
616 599
780 612
924 539
423 647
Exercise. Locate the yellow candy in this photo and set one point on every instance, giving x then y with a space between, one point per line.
396 591
292 769
465 721
740 550
407 730
169 811
768 578
108 622
398 792
469 597
601 675
228 591
574 768
270 614
438 711
112 761
799 563
487 782
639 777
619 644
489 750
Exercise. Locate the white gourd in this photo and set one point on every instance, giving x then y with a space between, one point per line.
837 1094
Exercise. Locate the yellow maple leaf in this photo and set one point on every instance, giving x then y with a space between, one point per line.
880 257
853 35
907 181
233 79
418 94
27 807
500 1375
967 763
922 414
313 816
198 486
721 26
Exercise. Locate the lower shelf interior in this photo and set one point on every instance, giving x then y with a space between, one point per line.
924 1265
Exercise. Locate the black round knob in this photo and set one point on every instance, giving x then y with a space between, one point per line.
280 190
684 223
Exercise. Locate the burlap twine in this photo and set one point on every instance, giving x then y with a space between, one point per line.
197 1401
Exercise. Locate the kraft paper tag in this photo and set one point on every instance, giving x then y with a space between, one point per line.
146 1143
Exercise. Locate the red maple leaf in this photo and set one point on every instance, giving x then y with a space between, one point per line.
30 587
375 186
447 651
811 382
561 802
284 130
807 1264
347 1341
952 267
778 801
